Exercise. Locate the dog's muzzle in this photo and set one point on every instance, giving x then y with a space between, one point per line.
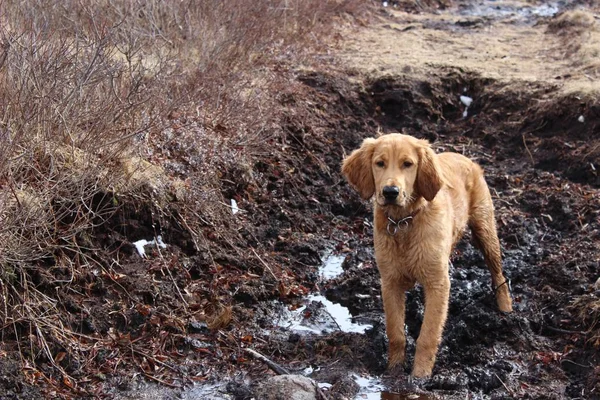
390 193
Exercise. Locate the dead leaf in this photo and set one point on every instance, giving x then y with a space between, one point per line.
60 356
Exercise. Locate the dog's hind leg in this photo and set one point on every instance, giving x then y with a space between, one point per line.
485 237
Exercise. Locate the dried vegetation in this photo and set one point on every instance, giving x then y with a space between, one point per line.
98 100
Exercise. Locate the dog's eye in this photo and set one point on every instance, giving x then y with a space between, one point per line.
380 164
407 164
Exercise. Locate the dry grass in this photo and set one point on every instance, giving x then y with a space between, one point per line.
93 91
587 308
579 34
573 22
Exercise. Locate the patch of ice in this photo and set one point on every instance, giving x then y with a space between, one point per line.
141 390
545 10
160 243
487 10
466 100
207 391
370 387
332 267
139 245
340 314
332 317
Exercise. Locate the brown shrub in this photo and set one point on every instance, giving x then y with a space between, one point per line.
90 91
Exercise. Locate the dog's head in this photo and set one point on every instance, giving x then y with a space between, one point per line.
397 169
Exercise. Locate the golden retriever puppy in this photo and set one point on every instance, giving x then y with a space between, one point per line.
422 203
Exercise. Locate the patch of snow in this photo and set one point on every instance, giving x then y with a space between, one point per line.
370 387
340 314
331 317
466 100
332 267
140 244
234 207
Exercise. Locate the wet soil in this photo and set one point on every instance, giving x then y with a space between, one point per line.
186 313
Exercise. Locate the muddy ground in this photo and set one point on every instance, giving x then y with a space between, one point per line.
538 140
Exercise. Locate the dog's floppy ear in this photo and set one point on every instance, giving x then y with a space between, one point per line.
429 178
358 170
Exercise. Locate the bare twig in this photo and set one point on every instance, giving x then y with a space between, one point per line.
566 331
271 364
265 264
503 384
527 148
161 381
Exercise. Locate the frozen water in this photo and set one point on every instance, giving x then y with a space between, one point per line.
332 267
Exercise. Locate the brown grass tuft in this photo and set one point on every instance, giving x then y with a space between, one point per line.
221 318
587 308
573 22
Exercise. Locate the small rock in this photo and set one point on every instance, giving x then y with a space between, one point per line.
581 119
597 284
287 387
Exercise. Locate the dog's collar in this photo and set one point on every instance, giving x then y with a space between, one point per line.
394 226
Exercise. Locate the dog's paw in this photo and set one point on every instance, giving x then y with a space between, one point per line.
420 371
396 354
396 364
504 301
396 370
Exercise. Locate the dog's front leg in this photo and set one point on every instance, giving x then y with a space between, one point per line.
393 291
437 293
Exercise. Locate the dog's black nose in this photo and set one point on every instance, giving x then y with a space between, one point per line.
391 192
